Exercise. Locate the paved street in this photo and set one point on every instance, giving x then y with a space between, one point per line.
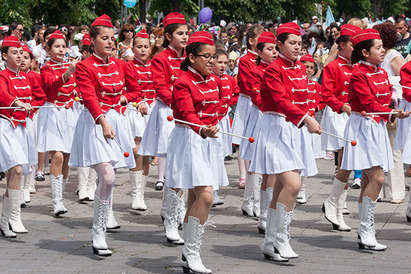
63 245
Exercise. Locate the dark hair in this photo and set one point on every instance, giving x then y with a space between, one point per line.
388 34
253 32
400 19
220 52
51 41
260 47
94 31
357 52
282 38
13 26
195 49
342 40
48 31
126 27
86 48
170 29
334 25
4 50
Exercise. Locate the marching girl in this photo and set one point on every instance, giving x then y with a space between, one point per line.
369 91
102 137
165 68
228 90
335 85
31 123
314 99
244 103
193 156
402 140
16 152
138 74
257 199
277 152
56 124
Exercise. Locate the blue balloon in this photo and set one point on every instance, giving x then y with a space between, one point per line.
205 15
130 3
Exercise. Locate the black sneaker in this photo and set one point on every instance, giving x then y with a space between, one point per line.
159 185
39 177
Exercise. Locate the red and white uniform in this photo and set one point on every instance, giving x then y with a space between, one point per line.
335 86
101 84
165 68
314 103
246 66
402 140
139 78
284 102
196 100
56 124
15 145
370 91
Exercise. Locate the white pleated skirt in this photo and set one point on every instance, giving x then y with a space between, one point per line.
193 161
155 137
138 122
252 127
55 129
304 148
90 147
15 147
373 147
224 125
242 111
334 123
403 136
31 129
317 149
275 151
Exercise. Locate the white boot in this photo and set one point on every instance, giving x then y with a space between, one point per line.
282 240
4 221
57 194
111 220
83 194
101 208
408 212
301 198
15 211
193 232
266 196
267 247
22 200
163 209
92 184
330 204
26 190
138 183
247 206
256 195
172 217
366 231
216 199
342 226
181 209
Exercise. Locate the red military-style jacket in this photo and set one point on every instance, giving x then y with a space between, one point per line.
370 90
335 83
139 78
58 92
101 84
38 94
314 96
256 77
284 90
405 74
165 68
196 99
246 66
15 85
228 90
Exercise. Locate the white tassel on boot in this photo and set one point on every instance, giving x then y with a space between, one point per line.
247 206
111 220
193 232
57 194
256 195
100 246
172 216
330 204
83 173
408 212
15 211
26 189
366 231
282 240
266 196
4 221
138 185
267 247
342 226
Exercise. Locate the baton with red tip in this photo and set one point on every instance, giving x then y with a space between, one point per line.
353 142
171 118
364 113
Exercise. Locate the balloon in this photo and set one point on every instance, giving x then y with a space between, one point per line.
130 3
205 15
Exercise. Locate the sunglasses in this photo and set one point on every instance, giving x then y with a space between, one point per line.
21 30
129 30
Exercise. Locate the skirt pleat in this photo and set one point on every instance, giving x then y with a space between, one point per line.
224 125
333 123
252 127
402 138
242 111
